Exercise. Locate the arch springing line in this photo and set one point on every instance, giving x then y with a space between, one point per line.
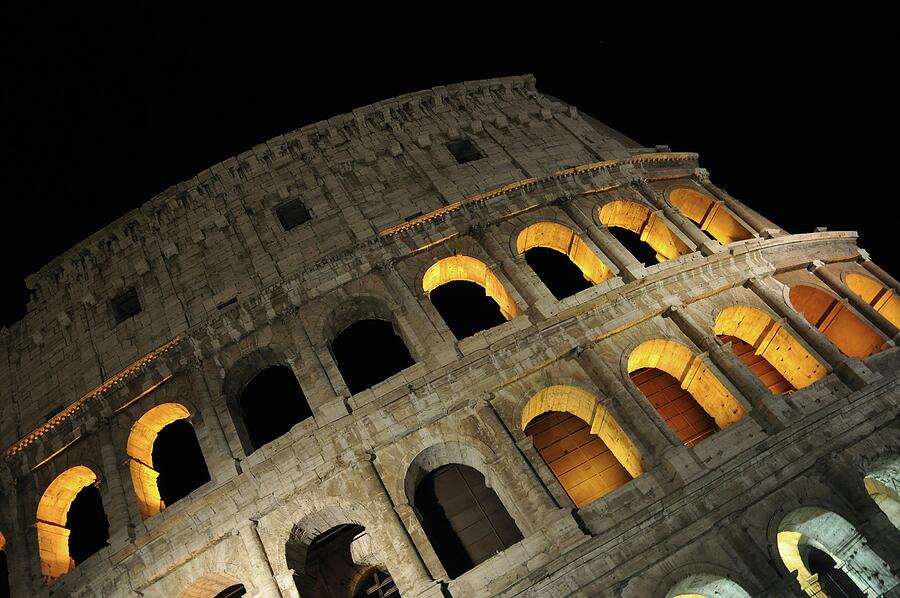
140 450
640 220
464 267
773 342
882 299
563 239
53 508
709 215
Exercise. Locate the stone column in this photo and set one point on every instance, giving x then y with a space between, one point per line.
749 385
750 217
851 371
217 452
627 265
706 245
262 576
122 514
833 280
525 282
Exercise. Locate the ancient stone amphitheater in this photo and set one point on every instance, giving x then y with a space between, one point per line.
463 342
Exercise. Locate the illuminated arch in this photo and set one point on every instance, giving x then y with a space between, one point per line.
640 220
695 379
808 528
463 267
845 330
884 300
706 585
882 482
140 451
771 341
566 241
210 585
583 469
53 508
709 215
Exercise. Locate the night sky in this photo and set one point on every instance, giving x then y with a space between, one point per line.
100 112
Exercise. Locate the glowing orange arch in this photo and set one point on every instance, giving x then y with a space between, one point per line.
884 300
566 241
770 340
640 220
209 585
140 450
709 215
845 330
463 267
679 362
52 512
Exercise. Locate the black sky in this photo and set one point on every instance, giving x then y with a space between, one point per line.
101 113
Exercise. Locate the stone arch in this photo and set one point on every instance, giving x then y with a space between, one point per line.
458 460
52 515
711 216
562 240
705 406
261 420
641 221
770 340
579 455
846 331
141 441
363 337
463 268
210 585
706 585
882 482
805 529
884 300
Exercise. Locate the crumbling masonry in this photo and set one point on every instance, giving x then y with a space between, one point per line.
717 419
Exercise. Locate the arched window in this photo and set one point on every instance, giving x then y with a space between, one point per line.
769 350
581 442
464 519
560 258
368 352
271 404
828 554
71 522
706 585
884 300
652 231
688 397
4 569
214 585
468 295
165 458
710 216
882 482
338 561
845 330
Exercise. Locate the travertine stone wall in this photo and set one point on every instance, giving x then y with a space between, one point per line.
388 201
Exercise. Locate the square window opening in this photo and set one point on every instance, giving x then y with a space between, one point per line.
464 151
126 305
292 213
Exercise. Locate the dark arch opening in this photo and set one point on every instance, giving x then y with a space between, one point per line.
836 583
4 575
87 524
641 250
271 404
677 407
368 352
179 460
557 271
232 591
464 519
466 308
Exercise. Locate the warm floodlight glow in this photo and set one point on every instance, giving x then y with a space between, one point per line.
52 511
640 220
709 215
846 331
463 267
881 298
566 241
209 585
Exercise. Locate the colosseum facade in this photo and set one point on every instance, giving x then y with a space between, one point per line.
653 391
